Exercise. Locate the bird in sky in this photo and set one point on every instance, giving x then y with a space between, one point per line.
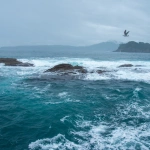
126 33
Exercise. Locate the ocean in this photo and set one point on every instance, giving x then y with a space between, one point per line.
108 111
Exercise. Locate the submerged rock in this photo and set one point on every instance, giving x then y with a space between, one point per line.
126 65
14 62
100 71
67 68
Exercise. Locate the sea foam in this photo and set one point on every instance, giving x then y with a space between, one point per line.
139 71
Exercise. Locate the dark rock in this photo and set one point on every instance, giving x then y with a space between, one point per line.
126 65
82 71
14 62
61 67
92 71
100 71
66 68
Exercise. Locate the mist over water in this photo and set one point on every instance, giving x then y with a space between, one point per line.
96 112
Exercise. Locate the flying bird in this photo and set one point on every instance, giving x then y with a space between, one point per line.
126 33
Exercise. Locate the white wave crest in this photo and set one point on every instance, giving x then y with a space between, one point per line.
55 143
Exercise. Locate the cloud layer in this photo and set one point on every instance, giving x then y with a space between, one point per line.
72 22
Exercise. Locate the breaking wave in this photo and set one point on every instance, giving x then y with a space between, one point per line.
139 71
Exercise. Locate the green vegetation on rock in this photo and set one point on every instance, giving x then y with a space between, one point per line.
134 47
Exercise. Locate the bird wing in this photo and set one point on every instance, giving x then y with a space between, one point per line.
125 32
128 32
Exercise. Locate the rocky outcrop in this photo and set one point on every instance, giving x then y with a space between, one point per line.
67 68
126 65
134 47
68 72
14 62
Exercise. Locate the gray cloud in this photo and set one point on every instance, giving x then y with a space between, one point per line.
72 22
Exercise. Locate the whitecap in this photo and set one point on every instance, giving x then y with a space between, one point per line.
63 94
55 143
64 119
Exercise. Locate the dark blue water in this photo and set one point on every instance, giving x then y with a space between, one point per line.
96 112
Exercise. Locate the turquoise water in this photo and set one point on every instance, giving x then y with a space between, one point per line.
95 112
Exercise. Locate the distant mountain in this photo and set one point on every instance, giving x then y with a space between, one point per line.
105 46
134 47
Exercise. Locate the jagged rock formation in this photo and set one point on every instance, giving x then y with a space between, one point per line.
67 68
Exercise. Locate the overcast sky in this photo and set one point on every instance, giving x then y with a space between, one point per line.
73 22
